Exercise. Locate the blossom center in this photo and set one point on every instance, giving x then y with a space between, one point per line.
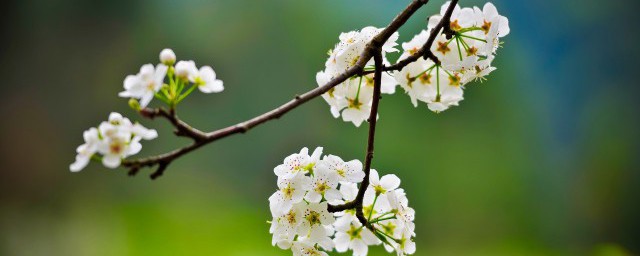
454 80
443 47
313 218
425 78
354 233
486 27
354 103
288 191
455 26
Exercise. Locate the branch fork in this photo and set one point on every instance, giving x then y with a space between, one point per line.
372 50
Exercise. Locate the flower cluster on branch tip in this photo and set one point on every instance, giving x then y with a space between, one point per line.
308 183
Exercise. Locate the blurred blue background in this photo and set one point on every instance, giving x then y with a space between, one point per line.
542 159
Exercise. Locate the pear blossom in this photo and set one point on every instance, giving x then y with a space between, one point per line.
347 172
186 69
114 140
307 184
354 237
302 248
358 104
323 185
298 163
205 79
382 185
145 84
86 150
290 191
352 98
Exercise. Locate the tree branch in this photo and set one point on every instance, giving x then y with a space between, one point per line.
182 128
162 161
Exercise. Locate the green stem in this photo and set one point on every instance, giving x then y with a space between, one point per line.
382 219
458 43
359 86
464 30
427 70
375 199
474 38
437 82
185 94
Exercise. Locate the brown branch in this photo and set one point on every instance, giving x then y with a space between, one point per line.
182 128
425 51
372 48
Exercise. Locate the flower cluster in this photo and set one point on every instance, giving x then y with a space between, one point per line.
114 140
352 98
308 183
464 57
182 80
119 138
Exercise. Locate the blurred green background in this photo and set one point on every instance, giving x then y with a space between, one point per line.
540 160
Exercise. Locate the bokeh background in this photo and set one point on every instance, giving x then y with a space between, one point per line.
540 160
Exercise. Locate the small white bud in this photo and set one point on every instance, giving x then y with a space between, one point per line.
167 57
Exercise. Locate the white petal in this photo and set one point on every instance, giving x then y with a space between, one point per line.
390 182
111 161
214 86
80 163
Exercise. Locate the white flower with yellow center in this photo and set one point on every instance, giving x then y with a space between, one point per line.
347 172
145 84
355 237
358 102
306 248
324 185
299 163
314 219
205 79
284 227
383 185
290 191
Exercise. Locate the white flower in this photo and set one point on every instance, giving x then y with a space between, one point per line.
186 69
314 217
167 57
489 15
383 185
354 237
298 163
290 191
206 80
404 245
347 172
417 80
335 96
358 103
404 214
86 150
284 227
145 84
347 52
323 185
114 139
144 133
304 248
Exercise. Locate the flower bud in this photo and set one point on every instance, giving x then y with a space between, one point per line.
167 57
134 104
